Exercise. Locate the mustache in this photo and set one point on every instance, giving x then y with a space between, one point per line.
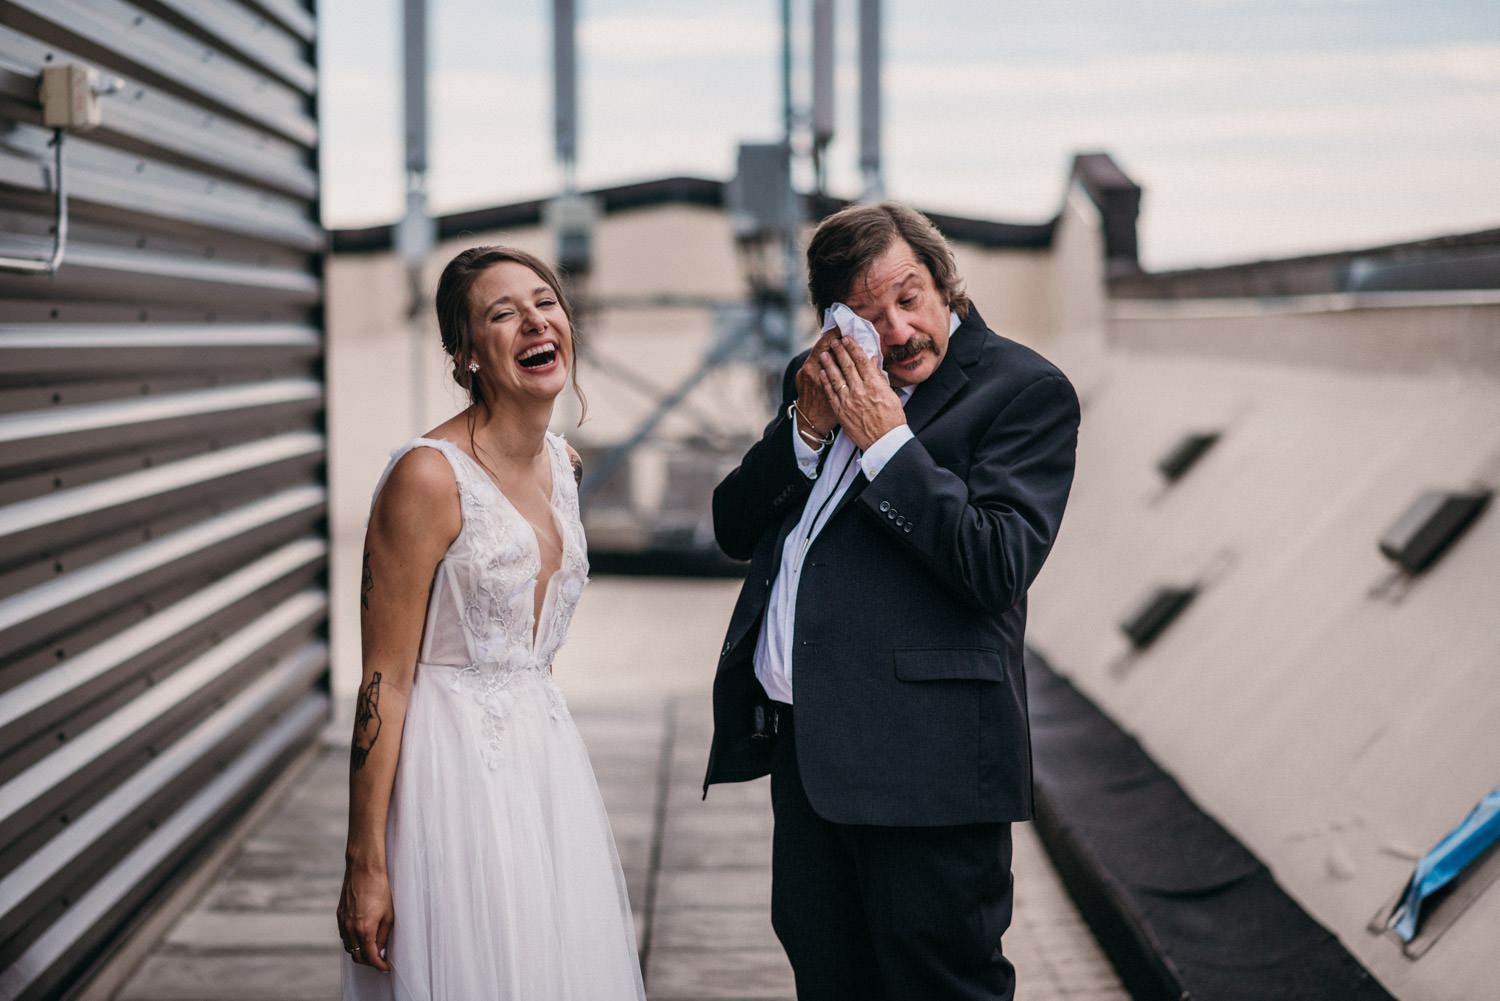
909 350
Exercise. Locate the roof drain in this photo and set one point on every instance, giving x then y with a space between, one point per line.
1447 879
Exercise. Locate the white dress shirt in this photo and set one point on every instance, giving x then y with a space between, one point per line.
773 648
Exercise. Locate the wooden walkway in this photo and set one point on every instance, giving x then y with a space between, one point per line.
257 923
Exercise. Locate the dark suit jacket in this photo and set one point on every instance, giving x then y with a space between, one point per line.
910 696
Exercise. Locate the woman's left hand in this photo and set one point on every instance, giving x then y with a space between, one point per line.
862 398
365 915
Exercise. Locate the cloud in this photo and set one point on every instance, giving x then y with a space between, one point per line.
658 37
1143 74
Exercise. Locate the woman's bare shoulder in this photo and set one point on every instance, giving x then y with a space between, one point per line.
425 472
420 493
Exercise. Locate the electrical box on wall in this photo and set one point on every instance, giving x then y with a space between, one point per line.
571 218
760 193
69 96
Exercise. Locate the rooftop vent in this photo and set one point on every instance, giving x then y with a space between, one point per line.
1432 523
1187 451
1155 612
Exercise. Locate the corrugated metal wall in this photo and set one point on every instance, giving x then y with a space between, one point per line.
162 500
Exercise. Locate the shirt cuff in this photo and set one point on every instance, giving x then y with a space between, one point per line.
807 459
878 454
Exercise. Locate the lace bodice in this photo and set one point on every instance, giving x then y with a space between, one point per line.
505 883
480 614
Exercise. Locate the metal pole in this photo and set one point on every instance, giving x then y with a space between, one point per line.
869 100
786 69
414 235
822 86
792 218
414 49
565 91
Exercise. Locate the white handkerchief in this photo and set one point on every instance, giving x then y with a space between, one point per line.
855 328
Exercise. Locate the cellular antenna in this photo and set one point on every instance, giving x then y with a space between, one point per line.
869 100
822 87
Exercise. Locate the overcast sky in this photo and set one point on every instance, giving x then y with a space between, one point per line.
1258 128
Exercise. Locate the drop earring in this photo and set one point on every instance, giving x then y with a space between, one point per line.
473 366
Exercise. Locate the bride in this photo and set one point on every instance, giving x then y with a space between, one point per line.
479 862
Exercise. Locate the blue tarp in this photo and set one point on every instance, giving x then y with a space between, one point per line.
1466 842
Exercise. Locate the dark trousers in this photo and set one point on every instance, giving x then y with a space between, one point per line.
886 913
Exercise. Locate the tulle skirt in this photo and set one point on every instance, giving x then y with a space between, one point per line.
503 869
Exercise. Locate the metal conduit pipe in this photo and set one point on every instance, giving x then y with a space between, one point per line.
49 264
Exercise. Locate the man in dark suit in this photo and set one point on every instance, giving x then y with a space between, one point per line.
894 513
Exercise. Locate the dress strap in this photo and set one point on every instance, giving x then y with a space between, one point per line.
442 445
562 466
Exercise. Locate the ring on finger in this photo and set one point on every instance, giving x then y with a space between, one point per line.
843 386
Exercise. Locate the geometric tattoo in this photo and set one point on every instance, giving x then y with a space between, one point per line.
366 724
366 584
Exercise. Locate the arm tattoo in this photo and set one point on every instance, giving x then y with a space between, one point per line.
577 471
367 583
366 724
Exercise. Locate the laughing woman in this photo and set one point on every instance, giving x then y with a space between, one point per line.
480 863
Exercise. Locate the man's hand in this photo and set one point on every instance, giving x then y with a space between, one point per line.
815 414
863 402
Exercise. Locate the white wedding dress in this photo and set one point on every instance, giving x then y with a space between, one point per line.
503 868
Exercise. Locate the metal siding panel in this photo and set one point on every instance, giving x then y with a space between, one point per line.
107 273
115 349
41 971
118 499
125 180
31 697
149 120
252 36
53 779
295 16
149 47
143 792
100 176
162 509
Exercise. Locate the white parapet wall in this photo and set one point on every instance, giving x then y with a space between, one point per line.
1335 717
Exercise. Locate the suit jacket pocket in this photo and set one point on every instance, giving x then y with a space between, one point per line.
949 664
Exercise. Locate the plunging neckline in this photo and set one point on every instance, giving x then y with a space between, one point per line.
548 592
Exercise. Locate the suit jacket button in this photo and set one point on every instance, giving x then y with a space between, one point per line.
885 506
907 526
900 521
891 515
